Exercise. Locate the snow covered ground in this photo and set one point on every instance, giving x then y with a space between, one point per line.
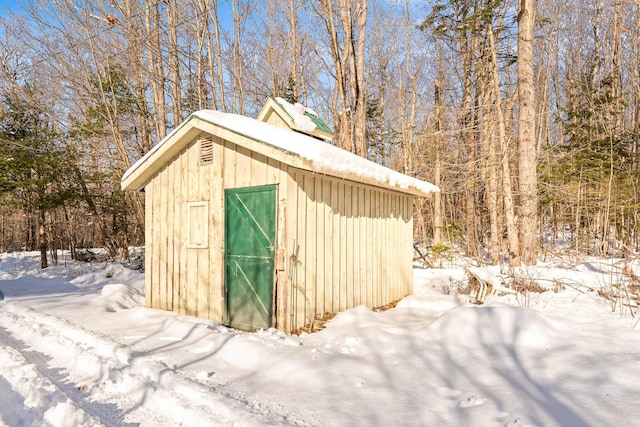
77 347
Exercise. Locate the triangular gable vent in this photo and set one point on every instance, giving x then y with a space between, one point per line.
206 149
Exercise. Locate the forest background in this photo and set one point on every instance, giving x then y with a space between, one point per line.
525 113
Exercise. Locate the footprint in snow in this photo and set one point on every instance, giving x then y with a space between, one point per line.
472 400
204 375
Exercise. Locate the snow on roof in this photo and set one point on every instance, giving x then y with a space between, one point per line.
297 112
324 157
320 156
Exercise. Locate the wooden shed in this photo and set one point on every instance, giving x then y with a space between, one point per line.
257 226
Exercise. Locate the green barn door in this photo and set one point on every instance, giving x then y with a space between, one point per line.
249 248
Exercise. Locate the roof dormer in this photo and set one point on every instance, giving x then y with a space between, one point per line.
297 117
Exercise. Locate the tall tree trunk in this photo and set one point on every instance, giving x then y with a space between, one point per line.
345 23
527 153
172 22
437 197
357 75
339 107
490 171
214 53
154 57
408 129
238 14
491 175
468 138
218 49
293 18
513 245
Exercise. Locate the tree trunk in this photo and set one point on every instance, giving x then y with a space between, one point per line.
513 245
527 153
172 22
492 174
408 126
347 47
42 241
238 15
468 139
154 57
293 18
357 78
437 197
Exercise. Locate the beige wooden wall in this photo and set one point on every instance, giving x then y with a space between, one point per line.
184 274
344 243
354 246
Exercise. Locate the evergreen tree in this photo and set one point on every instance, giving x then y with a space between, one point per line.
288 90
33 163
596 157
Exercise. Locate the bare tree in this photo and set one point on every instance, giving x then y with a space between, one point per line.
152 14
345 22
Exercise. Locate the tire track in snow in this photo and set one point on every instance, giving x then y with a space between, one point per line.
49 388
145 389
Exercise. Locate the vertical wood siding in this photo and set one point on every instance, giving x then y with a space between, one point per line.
180 278
344 243
353 244
192 186
216 233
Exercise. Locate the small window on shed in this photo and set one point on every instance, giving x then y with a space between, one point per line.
206 150
198 225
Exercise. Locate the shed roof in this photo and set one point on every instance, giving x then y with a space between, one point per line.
292 148
297 117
